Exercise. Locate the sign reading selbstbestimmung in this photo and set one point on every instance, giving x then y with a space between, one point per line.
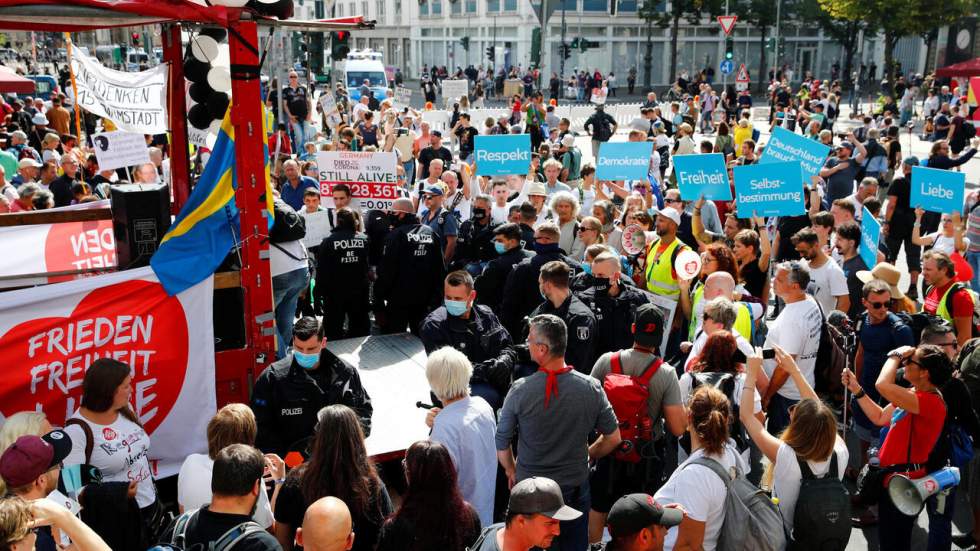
705 175
502 155
623 160
937 190
773 189
785 146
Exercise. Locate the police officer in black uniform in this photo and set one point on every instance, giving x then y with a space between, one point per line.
409 284
290 392
342 279
474 330
490 284
474 242
521 293
529 217
559 301
614 300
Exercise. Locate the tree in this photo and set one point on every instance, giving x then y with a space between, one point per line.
762 15
691 10
843 31
899 18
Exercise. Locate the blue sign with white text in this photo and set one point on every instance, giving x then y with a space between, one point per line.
937 190
785 146
773 189
623 160
502 155
870 234
699 175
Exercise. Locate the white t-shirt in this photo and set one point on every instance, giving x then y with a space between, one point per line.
194 488
787 477
943 244
701 493
283 263
498 215
797 331
826 284
119 451
358 109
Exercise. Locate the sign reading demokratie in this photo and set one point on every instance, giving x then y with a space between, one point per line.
503 155
624 160
136 102
371 176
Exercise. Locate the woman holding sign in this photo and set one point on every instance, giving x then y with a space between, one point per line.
949 239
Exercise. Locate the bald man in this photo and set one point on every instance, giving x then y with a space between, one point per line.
722 284
327 526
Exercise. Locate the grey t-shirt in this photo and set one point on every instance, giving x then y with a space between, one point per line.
554 442
490 541
664 390
841 183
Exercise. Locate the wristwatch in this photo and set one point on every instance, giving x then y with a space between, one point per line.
859 394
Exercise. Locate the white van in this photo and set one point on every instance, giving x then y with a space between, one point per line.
364 65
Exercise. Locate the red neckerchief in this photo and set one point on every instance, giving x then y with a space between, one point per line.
551 385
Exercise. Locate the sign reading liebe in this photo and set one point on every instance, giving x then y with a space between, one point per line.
133 321
937 190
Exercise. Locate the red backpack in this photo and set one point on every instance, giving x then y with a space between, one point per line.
628 396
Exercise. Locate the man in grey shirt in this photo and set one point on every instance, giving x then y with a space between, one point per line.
555 409
613 478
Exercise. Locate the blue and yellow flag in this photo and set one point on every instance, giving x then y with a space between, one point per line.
208 225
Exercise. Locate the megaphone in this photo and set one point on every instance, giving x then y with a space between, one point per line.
909 496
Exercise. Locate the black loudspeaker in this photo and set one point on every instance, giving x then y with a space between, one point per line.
140 217
229 319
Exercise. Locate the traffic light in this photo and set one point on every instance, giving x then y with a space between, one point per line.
491 54
584 45
465 41
339 45
575 43
136 39
729 48
566 51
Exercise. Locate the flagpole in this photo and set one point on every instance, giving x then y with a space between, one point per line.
74 87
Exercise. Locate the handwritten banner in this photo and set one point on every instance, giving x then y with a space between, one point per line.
136 102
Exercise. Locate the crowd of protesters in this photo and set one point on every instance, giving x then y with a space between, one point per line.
585 393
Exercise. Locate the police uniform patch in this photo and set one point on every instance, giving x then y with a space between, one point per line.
583 333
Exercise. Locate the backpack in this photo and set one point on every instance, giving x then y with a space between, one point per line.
288 225
628 396
752 521
725 382
226 542
976 305
833 355
969 366
967 131
822 518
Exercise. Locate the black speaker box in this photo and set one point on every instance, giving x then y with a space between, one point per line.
140 217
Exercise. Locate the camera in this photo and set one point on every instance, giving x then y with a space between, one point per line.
768 353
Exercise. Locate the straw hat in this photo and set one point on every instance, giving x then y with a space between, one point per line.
887 273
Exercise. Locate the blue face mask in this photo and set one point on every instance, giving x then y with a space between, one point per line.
499 247
306 361
455 307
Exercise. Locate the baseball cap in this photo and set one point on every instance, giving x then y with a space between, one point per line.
24 163
434 190
540 496
913 161
31 456
634 512
847 144
537 188
648 325
669 212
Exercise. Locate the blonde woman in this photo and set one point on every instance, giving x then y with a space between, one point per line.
589 233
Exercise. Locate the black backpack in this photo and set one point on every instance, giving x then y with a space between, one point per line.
288 225
822 518
226 542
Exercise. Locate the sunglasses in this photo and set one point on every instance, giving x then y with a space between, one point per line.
671 201
909 360
877 305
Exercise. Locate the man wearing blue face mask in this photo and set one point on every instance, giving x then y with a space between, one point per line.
521 293
474 330
290 392
507 245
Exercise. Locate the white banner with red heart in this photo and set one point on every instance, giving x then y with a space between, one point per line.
49 335
35 249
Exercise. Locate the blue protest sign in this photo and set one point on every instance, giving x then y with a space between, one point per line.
773 189
937 190
787 146
870 234
623 160
727 67
502 155
702 175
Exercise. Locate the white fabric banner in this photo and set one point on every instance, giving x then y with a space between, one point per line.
136 102
63 247
50 335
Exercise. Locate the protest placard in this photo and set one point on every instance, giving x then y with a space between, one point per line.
370 175
705 175
787 146
624 160
870 234
120 149
453 89
773 189
502 155
136 102
937 190
328 103
403 97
